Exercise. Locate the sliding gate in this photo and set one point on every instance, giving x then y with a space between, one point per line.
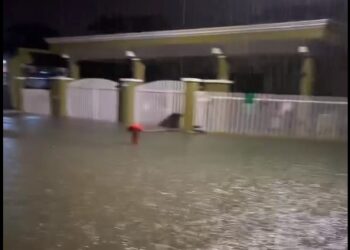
159 105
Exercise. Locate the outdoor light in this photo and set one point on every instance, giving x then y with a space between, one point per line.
303 49
65 56
4 61
216 51
130 54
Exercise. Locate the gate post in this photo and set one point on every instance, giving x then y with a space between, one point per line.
223 70
58 95
308 76
127 96
15 80
74 69
138 68
306 86
192 85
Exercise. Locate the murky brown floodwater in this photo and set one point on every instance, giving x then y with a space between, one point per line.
80 185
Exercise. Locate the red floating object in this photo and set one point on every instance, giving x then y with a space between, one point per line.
136 127
135 130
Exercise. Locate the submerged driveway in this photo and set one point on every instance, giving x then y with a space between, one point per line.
73 184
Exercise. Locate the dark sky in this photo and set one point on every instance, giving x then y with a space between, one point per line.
71 17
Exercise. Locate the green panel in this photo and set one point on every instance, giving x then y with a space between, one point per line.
249 98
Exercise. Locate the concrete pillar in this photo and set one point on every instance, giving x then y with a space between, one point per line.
217 85
74 70
138 69
223 70
308 71
306 89
127 95
15 70
58 94
192 85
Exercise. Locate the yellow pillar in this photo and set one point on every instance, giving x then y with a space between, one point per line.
74 70
217 85
58 95
308 76
138 69
127 96
16 64
222 82
223 71
306 89
192 85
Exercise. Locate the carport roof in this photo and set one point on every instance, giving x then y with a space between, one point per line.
232 40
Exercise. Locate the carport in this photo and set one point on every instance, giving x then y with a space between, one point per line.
233 42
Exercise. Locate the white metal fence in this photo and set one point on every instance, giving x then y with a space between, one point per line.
96 99
272 115
36 101
156 101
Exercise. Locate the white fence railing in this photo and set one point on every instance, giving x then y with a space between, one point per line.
95 104
272 115
156 101
96 99
36 101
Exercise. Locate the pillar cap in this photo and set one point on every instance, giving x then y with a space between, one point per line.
185 79
130 80
217 81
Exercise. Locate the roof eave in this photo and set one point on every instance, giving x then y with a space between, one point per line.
270 27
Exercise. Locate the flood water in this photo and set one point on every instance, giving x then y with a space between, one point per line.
81 185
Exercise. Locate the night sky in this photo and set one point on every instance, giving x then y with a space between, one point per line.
73 17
